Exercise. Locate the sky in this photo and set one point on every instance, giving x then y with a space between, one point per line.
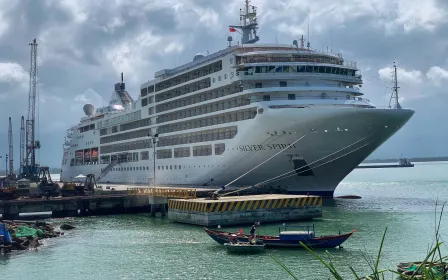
84 45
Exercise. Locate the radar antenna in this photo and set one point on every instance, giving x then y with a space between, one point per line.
395 88
248 24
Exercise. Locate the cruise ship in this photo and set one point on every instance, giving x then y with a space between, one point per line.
275 116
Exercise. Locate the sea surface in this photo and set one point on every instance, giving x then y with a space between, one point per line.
403 200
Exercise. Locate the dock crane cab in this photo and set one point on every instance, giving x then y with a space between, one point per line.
72 189
90 184
46 185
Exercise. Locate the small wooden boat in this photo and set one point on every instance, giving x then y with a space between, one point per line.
286 239
244 248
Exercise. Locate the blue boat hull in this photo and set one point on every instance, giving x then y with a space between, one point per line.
332 241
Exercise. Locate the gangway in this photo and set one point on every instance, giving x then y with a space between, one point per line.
120 159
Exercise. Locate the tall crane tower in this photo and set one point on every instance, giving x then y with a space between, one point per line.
11 150
31 169
22 143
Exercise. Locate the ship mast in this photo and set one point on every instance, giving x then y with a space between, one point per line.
395 88
248 24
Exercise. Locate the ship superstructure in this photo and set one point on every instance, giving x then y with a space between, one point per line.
212 120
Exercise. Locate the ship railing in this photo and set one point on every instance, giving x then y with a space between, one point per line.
164 192
254 99
300 59
356 77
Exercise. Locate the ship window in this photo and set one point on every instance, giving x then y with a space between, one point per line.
291 96
258 85
266 97
283 84
213 79
220 148
225 76
219 78
144 155
179 167
158 167
181 152
144 102
203 150
144 91
164 153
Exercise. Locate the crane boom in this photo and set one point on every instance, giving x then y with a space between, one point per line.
22 143
30 168
11 149
30 122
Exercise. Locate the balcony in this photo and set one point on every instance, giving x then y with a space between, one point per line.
308 60
255 99
247 75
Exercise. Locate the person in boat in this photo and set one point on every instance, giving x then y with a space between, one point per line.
252 230
233 239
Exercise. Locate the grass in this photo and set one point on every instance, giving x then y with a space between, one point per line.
426 270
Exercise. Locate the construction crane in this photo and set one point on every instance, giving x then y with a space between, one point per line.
30 168
22 143
11 150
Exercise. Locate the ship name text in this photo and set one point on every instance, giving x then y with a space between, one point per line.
253 148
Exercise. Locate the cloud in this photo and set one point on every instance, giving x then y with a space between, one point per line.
89 96
437 75
12 72
413 83
408 77
392 16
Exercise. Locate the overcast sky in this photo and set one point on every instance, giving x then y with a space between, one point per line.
84 45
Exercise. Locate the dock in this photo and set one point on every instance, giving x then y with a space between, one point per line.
133 200
235 210
183 205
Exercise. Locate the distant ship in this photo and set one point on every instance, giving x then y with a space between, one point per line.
402 162
297 113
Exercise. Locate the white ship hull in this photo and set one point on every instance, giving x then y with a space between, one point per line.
340 140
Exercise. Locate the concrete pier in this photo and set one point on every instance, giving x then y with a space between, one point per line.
234 210
76 206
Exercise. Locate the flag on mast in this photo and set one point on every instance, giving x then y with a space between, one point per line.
231 29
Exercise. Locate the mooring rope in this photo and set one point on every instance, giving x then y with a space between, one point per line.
266 160
276 177
314 167
309 165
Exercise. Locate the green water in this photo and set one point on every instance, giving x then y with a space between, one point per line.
141 247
